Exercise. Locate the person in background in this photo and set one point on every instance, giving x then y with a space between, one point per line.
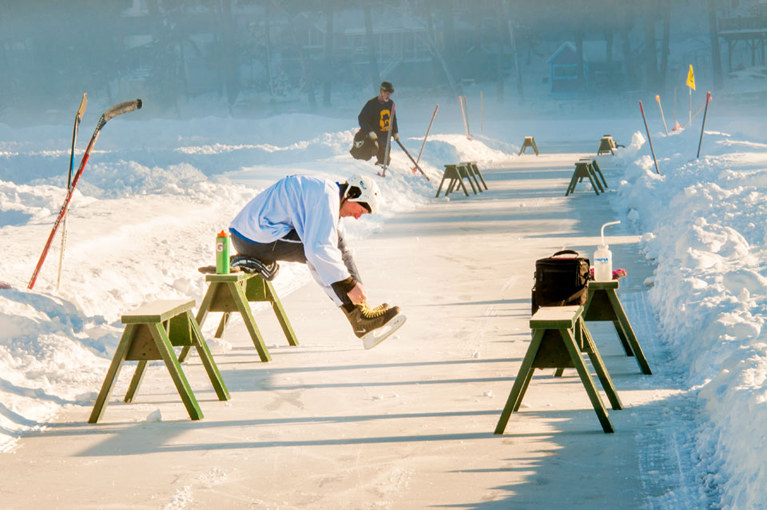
377 117
297 219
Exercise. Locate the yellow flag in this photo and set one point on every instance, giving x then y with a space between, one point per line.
691 78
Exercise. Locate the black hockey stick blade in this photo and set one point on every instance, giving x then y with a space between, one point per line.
119 109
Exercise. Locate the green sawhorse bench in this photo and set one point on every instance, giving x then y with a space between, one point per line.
606 145
602 304
233 292
560 338
454 174
151 332
584 169
528 142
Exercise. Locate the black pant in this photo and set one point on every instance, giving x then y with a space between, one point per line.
291 249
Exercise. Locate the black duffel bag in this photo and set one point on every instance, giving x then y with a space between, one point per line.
363 147
562 279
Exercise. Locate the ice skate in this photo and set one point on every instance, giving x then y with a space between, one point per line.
247 265
374 325
251 265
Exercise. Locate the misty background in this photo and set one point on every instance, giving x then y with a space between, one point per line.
255 57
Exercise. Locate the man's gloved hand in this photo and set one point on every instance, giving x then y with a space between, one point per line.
372 135
396 136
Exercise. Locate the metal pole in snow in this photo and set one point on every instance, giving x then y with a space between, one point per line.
649 139
708 98
665 128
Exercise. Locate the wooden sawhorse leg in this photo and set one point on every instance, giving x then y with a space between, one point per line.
603 304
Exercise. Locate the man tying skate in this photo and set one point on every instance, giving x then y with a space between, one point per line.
297 219
377 118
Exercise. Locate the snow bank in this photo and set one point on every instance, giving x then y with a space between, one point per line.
705 220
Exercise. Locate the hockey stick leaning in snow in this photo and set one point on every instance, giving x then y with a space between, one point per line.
119 109
411 159
78 118
423 144
388 142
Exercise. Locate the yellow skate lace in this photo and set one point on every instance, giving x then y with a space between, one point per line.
372 313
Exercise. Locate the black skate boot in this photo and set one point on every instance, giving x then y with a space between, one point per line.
251 265
374 325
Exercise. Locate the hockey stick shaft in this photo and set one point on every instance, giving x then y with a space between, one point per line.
113 112
78 118
411 159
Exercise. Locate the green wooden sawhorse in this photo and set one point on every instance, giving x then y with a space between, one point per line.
583 169
452 174
559 338
597 173
602 304
233 292
529 142
606 144
473 169
151 332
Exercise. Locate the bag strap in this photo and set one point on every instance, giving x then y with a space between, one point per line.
577 294
566 252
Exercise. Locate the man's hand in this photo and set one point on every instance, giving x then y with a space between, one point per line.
396 136
358 294
372 135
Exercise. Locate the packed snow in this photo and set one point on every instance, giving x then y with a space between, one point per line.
156 192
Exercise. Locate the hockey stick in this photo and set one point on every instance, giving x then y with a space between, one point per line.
78 118
411 159
423 144
119 109
388 142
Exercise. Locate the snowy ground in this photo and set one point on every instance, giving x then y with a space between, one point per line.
156 192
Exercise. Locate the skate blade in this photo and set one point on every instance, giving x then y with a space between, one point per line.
377 336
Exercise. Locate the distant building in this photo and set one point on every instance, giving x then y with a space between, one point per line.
600 71
563 70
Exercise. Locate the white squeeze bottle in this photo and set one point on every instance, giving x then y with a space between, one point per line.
603 259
